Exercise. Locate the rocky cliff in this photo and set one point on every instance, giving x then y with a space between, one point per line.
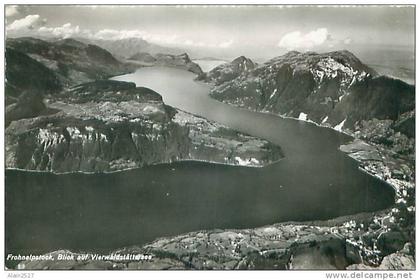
110 126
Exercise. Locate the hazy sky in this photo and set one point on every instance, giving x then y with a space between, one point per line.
257 30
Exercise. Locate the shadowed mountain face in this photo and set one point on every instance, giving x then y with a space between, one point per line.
333 88
379 98
27 80
26 74
72 61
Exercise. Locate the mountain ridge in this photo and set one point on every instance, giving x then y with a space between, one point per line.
180 61
124 48
317 86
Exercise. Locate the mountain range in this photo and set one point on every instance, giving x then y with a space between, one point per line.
333 89
63 115
124 48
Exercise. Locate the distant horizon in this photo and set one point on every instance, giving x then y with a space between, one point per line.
350 48
223 31
391 60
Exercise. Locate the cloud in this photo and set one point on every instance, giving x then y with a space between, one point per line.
26 26
347 41
172 40
11 10
112 34
64 31
27 23
296 40
225 44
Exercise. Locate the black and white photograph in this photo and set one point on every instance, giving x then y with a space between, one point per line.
209 137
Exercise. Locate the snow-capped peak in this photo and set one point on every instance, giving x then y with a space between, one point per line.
330 68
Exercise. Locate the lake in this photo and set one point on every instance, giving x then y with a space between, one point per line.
102 212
